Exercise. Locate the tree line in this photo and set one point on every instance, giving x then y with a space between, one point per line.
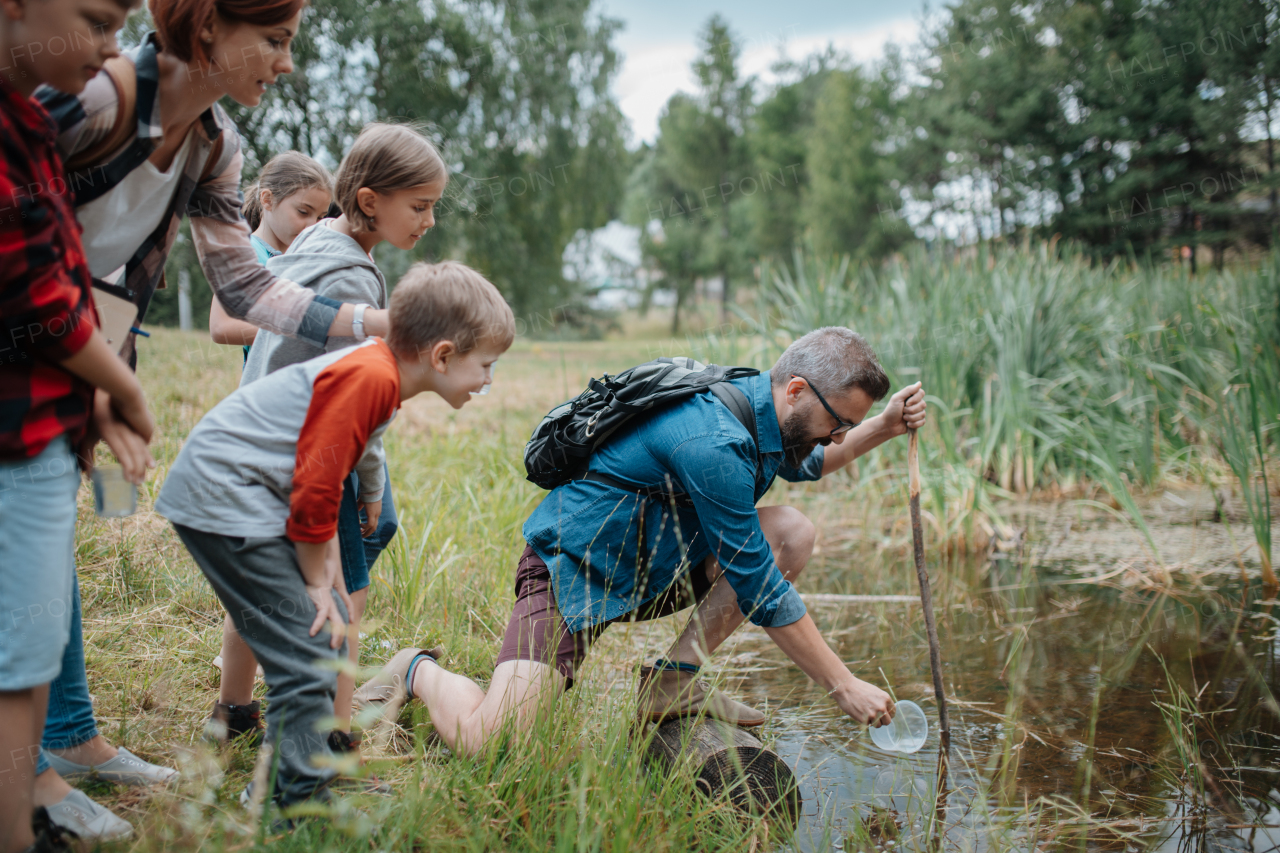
1130 127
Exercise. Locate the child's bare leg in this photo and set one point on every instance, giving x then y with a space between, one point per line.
23 714
49 788
96 750
347 683
239 667
465 716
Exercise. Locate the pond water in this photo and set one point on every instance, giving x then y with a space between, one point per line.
1082 716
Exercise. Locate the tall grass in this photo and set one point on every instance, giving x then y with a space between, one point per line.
1245 452
577 780
1050 373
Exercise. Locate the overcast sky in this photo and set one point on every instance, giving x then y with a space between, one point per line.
660 41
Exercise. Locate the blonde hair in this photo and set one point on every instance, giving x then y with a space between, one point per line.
284 175
385 158
448 301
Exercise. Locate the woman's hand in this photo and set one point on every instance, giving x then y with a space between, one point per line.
377 322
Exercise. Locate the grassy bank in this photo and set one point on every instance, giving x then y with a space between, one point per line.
1050 380
153 626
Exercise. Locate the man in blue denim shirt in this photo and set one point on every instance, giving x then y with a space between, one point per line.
598 553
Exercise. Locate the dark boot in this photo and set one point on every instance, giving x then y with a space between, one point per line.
344 742
229 722
49 836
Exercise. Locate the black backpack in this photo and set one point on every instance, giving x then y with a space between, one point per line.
560 449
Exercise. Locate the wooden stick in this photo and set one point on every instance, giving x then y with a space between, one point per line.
926 597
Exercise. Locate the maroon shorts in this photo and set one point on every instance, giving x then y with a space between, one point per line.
537 631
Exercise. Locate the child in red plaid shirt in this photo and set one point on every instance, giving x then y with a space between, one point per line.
53 358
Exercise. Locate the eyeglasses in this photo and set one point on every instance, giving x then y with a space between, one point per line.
843 426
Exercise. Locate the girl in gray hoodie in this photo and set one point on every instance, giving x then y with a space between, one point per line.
387 188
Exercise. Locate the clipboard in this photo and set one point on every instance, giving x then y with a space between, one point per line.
117 312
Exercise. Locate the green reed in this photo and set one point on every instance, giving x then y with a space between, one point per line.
1244 449
1048 371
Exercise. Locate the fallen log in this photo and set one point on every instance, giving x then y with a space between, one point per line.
727 761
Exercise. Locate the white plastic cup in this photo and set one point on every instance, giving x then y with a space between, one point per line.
113 495
907 732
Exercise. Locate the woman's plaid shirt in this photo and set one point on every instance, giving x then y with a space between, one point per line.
221 236
46 303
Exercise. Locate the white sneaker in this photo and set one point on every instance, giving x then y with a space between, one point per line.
87 820
125 769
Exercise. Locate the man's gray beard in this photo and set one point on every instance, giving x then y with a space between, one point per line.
796 447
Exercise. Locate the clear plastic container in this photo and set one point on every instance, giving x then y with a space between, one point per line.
899 787
907 732
113 495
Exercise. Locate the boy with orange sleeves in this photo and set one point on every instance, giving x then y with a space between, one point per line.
254 493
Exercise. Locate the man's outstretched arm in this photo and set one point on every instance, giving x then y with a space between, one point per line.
905 410
862 702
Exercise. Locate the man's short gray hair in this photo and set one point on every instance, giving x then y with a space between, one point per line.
834 359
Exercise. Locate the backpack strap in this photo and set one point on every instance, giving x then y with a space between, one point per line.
95 171
740 407
737 404
655 493
124 78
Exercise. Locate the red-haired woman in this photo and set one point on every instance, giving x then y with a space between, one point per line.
134 178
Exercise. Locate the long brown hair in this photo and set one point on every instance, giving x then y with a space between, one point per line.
385 158
178 22
283 175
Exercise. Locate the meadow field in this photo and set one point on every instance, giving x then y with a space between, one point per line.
1099 471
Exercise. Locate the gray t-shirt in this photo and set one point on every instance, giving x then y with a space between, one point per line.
334 266
236 472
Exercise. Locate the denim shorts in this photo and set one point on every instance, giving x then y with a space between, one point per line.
37 564
358 552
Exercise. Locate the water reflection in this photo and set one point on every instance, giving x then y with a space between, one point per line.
1083 716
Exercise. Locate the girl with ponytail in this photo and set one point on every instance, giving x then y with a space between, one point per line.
292 192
